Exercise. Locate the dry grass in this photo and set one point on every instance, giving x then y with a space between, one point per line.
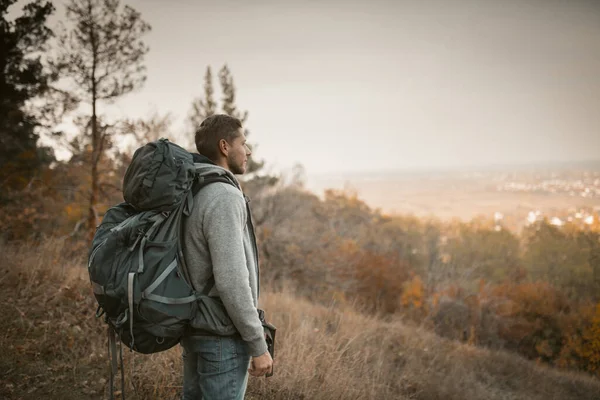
54 348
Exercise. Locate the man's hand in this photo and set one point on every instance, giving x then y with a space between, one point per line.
261 365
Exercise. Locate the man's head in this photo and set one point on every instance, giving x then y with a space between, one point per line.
221 138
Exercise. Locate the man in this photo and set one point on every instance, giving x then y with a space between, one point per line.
219 242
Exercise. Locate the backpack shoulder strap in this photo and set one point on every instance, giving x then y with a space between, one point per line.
203 181
198 184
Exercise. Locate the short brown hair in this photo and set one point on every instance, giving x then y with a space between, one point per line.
212 130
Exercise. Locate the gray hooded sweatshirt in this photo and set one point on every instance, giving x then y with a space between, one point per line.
218 240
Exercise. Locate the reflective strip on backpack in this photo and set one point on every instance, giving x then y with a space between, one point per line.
130 277
160 279
173 300
147 294
141 256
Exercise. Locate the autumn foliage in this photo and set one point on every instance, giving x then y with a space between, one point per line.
465 281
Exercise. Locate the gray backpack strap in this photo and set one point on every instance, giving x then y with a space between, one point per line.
210 283
112 354
147 294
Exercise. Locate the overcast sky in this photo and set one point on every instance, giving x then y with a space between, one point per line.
379 85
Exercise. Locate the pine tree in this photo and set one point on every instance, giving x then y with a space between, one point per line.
102 56
230 108
203 108
228 88
22 78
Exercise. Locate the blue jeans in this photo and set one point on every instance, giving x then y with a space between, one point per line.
214 368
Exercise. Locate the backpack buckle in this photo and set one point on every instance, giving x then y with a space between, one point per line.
99 311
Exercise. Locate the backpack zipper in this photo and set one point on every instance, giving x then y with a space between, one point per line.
94 252
137 240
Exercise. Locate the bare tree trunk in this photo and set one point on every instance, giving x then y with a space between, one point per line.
92 216
96 140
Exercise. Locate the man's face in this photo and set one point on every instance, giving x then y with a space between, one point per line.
237 157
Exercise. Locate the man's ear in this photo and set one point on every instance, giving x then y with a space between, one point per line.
224 147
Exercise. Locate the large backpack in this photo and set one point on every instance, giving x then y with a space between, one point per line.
136 264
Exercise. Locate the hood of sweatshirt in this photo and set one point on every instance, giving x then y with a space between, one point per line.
205 166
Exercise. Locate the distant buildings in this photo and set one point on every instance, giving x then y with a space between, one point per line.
498 216
534 216
586 185
579 217
574 183
556 221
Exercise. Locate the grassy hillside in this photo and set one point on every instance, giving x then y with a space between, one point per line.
54 348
